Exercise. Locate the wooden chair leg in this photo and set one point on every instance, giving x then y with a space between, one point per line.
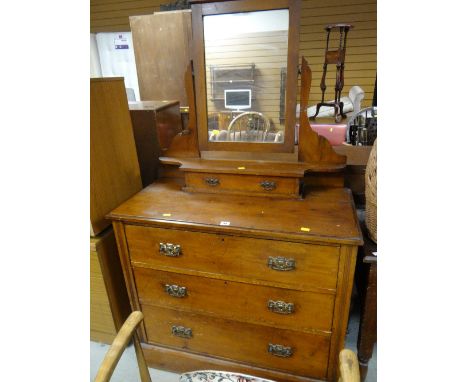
126 332
349 369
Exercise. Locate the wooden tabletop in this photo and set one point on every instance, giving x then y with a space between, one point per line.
324 215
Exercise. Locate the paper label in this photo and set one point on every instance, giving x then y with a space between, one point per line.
121 42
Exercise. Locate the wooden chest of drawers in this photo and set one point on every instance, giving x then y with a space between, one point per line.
257 285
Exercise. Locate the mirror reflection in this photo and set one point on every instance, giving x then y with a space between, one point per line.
245 61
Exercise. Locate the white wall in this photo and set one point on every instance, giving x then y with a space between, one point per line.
219 26
117 58
95 65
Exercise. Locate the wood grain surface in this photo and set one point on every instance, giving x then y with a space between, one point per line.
109 304
115 173
324 215
242 302
242 184
239 341
162 43
238 258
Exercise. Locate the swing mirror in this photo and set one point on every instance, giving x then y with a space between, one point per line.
245 60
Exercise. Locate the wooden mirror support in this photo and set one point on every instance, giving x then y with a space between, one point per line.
313 148
254 177
185 144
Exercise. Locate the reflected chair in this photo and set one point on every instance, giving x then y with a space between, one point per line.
349 369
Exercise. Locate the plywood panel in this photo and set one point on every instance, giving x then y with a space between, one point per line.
115 174
162 53
109 304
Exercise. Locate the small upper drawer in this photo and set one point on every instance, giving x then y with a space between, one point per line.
286 308
242 184
295 265
302 353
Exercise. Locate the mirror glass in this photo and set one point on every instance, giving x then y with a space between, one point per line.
246 61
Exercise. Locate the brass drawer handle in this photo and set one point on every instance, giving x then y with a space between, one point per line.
281 307
280 263
268 185
175 290
212 181
168 249
181 331
280 350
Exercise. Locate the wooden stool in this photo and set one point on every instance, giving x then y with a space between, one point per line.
335 57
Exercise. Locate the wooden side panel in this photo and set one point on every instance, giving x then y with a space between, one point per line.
342 301
162 44
155 123
312 147
121 239
109 302
147 143
115 173
101 322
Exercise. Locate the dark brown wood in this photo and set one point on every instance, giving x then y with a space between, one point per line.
115 174
185 144
366 279
202 9
155 123
313 148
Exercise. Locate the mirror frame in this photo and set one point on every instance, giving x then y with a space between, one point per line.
201 8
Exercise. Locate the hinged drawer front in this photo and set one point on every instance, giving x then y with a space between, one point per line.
253 184
296 265
288 350
287 308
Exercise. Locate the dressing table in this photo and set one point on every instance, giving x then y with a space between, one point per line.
242 256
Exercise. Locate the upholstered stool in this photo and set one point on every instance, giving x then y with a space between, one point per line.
219 376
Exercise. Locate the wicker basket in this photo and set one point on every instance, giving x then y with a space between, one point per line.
371 193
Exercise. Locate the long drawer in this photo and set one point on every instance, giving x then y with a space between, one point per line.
296 265
256 185
281 307
302 353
